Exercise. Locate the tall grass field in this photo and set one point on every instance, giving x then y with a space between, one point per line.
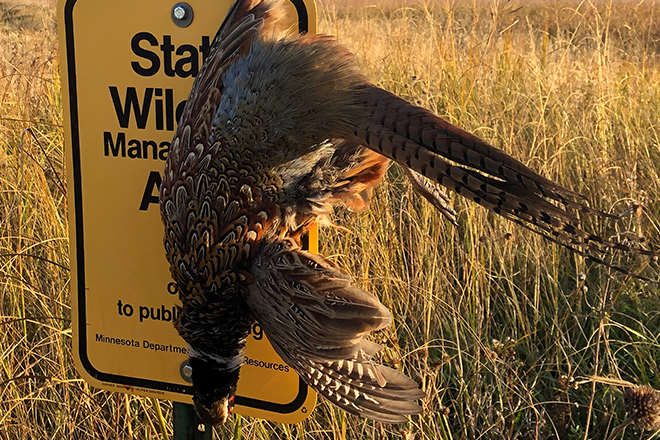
511 337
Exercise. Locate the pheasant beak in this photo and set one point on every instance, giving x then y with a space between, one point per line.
230 404
217 413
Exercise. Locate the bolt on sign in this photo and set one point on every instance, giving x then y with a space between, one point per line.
127 69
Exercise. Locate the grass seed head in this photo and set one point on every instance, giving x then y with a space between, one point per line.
643 407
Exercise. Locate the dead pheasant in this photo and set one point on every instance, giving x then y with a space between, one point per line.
275 133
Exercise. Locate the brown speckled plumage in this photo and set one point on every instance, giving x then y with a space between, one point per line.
275 133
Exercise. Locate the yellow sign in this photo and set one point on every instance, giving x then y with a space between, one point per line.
127 68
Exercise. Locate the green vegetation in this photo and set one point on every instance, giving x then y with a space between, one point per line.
511 336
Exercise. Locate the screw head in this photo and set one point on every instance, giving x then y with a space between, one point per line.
186 371
179 12
182 14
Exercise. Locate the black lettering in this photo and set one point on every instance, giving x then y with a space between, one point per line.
192 60
172 288
119 307
257 332
131 102
145 53
167 49
155 316
166 314
163 150
205 47
114 147
145 149
159 109
135 152
169 109
144 313
148 197
128 310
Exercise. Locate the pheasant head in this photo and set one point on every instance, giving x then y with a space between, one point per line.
215 401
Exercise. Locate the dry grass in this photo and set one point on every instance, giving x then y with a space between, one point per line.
502 329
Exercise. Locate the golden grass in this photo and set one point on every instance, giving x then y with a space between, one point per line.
504 330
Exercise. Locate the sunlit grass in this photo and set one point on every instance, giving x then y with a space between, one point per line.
502 329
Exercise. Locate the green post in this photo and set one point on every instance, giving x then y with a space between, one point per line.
187 423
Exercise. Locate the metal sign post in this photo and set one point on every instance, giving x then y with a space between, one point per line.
127 67
186 424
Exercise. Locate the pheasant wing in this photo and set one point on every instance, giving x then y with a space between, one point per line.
317 322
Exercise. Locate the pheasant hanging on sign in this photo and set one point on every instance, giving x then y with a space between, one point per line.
275 133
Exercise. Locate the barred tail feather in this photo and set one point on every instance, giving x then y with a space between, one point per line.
437 135
440 154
